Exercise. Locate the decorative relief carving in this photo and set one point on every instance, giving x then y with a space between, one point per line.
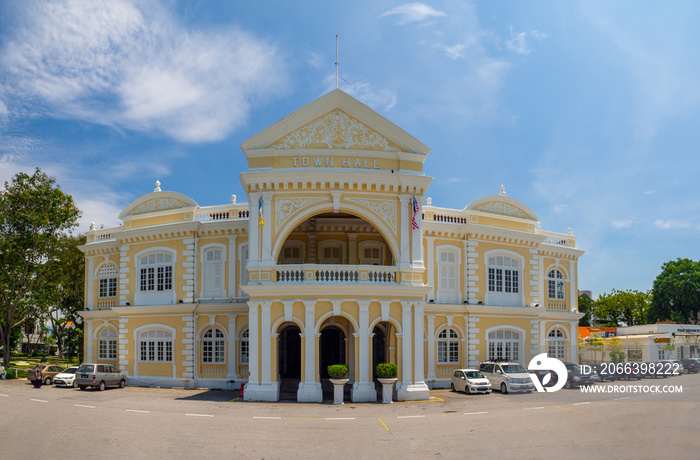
335 130
285 207
500 207
158 204
386 209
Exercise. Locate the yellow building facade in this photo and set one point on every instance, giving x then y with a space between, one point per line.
338 256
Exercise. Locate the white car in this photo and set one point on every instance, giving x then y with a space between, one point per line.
470 381
66 378
507 376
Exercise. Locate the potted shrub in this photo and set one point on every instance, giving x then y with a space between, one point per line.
386 374
338 374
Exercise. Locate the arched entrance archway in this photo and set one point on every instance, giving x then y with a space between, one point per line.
332 349
290 352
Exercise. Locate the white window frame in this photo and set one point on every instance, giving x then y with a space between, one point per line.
293 244
448 351
556 289
208 292
500 290
511 349
331 243
446 295
107 344
213 346
556 344
371 245
107 281
156 296
244 347
155 345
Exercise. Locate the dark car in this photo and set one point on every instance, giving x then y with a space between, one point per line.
606 371
577 377
690 366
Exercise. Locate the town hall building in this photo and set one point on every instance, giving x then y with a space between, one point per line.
338 256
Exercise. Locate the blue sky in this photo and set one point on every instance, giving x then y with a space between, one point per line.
586 111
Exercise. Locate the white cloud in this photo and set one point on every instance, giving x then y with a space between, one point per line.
132 65
671 224
519 41
413 12
622 223
560 207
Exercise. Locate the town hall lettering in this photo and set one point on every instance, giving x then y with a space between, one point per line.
327 162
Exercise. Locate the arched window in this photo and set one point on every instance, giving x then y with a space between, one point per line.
245 347
213 346
448 346
555 283
556 345
213 273
448 268
156 345
504 278
107 281
503 344
107 344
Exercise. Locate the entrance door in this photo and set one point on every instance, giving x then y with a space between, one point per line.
290 352
332 349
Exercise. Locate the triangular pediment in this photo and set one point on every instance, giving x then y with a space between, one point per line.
504 206
336 121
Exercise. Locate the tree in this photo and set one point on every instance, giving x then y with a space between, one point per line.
60 297
34 213
585 305
677 293
615 349
622 308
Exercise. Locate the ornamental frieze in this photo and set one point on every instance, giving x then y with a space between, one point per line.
158 204
285 207
386 209
335 130
500 207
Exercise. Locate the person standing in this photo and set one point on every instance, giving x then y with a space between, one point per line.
37 377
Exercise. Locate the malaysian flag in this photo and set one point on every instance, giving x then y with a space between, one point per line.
416 210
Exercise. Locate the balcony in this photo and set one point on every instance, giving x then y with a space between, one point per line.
336 274
557 306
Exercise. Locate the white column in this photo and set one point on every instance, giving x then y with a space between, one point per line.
431 348
573 286
310 389
405 229
430 261
90 340
90 285
407 376
232 347
253 231
266 256
416 237
265 350
573 334
363 390
231 291
419 358
253 334
413 387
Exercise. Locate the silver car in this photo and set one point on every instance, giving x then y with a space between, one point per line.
99 376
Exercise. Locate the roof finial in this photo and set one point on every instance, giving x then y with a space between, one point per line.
503 191
157 189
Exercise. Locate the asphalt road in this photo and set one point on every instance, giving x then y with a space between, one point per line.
166 423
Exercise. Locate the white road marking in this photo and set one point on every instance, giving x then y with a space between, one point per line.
340 418
474 413
3 395
270 418
620 399
581 403
82 405
534 408
39 400
199 415
139 411
411 416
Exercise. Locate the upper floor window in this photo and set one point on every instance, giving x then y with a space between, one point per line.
156 272
504 278
448 346
448 287
107 281
156 345
331 252
213 346
213 273
292 253
371 253
555 283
